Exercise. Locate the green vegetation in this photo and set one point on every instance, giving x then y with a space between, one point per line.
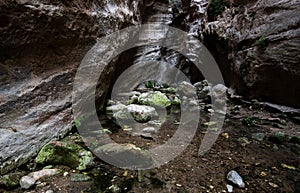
262 41
77 122
150 84
155 99
11 180
69 154
248 121
215 8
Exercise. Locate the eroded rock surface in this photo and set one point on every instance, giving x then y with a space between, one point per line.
42 44
256 44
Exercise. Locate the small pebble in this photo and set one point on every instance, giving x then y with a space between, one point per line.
263 174
26 182
235 178
229 188
149 130
273 185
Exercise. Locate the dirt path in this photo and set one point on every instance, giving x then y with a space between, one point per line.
270 165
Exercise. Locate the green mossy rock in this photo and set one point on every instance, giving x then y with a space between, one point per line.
80 178
65 153
154 99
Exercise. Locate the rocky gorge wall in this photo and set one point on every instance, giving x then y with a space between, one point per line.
42 44
256 44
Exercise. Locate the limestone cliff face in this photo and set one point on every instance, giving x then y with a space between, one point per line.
256 44
42 42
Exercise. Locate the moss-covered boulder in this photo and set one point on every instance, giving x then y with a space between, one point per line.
156 98
65 153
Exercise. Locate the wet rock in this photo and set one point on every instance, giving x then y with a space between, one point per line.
43 173
147 136
49 191
11 180
149 130
65 153
258 136
219 91
187 89
115 108
124 155
277 137
155 98
235 178
140 113
27 182
229 188
79 178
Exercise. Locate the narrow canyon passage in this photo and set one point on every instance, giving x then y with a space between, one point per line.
148 94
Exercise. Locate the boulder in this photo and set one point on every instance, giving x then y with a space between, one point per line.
187 89
115 108
65 153
140 113
155 98
124 155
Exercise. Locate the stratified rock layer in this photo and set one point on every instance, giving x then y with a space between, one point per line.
256 44
42 44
